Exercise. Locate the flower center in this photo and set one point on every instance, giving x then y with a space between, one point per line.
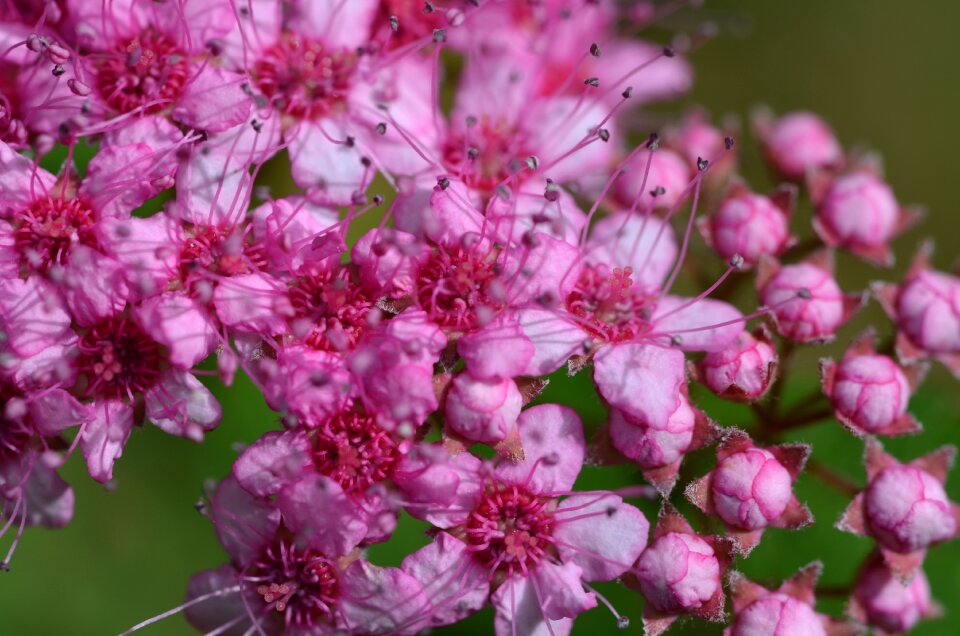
221 251
511 529
44 232
454 283
304 78
118 360
353 450
146 72
299 583
334 307
611 308
485 154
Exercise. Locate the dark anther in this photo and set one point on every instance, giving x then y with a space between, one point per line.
610 511
702 164
627 92
595 50
728 142
349 142
382 128
736 261
592 81
804 293
58 70
675 341
378 199
503 192
394 23
365 161
653 142
533 162
439 35
256 124
659 191
668 51
443 182
603 134
428 7
552 191
473 153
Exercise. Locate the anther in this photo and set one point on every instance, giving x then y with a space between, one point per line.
627 92
675 341
552 191
382 128
439 35
804 293
428 7
473 153
378 199
394 23
736 261
503 191
592 81
623 622
58 70
256 124
603 134
702 164
728 143
533 162
668 51
595 50
443 182
78 88
659 191
653 142
350 141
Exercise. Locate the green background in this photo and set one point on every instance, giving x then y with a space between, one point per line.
882 72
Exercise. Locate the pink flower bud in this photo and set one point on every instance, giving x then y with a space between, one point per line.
751 488
654 445
678 572
778 615
668 177
887 603
750 225
806 301
871 391
859 211
483 410
907 509
928 311
742 371
798 142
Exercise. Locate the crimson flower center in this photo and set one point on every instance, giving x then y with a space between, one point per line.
610 307
303 77
511 529
454 283
333 305
300 584
221 251
148 71
118 360
354 451
486 154
45 231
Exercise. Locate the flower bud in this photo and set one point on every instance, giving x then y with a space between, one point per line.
858 211
907 509
651 446
483 410
668 176
678 572
750 225
742 371
778 615
887 603
751 488
871 391
928 311
806 301
799 142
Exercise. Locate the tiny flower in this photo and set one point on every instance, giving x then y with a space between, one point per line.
751 488
869 391
788 611
859 212
804 299
796 143
885 603
750 225
658 447
680 573
926 310
904 507
744 370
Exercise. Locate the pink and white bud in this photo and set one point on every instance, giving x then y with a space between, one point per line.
751 489
749 225
806 302
928 311
882 601
668 177
743 371
778 614
657 444
678 572
858 211
871 391
907 509
797 143
483 410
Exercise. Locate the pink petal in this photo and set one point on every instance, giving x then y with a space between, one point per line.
104 437
250 302
337 24
555 340
179 323
553 447
213 100
381 600
32 316
181 405
245 525
276 459
317 509
498 351
55 410
518 611
207 616
604 537
49 498
19 180
331 173
642 380
717 323
145 247
93 285
450 576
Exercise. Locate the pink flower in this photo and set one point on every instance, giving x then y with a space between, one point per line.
806 303
750 225
882 601
744 370
751 488
502 522
788 611
904 507
870 392
859 212
680 572
280 580
796 143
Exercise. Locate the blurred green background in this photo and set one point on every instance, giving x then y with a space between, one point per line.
881 71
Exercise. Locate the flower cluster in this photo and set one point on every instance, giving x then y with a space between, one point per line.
469 210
